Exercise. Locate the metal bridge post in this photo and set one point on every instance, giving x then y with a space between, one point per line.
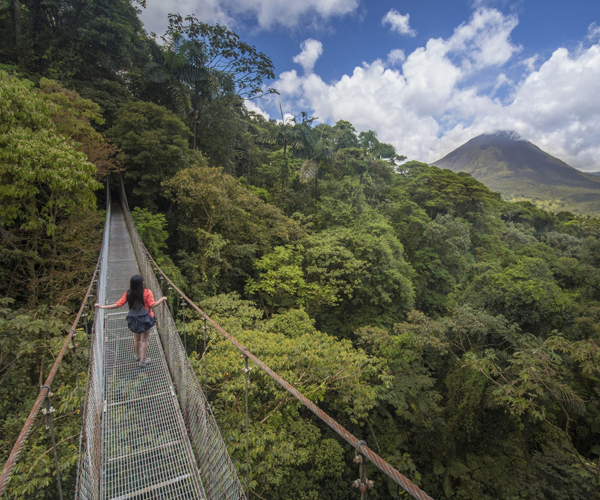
74 347
362 483
48 411
85 318
184 332
247 371
170 299
205 330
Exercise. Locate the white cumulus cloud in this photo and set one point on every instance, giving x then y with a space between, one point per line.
266 13
398 23
311 51
252 106
396 56
430 105
501 81
485 39
288 119
594 32
155 15
558 105
530 62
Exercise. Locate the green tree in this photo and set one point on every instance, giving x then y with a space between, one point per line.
206 71
289 452
155 146
277 173
524 293
535 381
77 119
282 284
445 192
441 261
364 266
222 227
95 48
151 228
345 135
231 63
46 190
29 342
435 410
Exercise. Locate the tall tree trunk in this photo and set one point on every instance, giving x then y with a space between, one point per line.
16 15
284 171
194 127
196 102
37 32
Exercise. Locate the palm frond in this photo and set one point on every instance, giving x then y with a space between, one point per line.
180 97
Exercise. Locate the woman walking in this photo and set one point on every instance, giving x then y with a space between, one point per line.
141 304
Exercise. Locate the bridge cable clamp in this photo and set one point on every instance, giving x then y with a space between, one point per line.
363 484
359 445
49 393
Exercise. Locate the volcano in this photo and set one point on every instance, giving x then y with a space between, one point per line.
518 169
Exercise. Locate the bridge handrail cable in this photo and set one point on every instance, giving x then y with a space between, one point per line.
88 482
217 471
45 389
359 445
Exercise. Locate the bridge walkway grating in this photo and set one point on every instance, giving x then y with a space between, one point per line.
146 449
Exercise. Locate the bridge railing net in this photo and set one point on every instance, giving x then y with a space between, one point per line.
90 454
217 471
359 445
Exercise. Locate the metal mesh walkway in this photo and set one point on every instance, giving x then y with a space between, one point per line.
147 452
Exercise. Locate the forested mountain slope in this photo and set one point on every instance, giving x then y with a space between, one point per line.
456 332
518 169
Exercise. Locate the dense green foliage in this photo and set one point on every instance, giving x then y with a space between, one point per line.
455 332
155 145
46 192
48 245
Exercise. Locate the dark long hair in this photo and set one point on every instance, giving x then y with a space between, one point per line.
135 294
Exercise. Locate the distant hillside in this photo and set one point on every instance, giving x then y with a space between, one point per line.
593 173
520 170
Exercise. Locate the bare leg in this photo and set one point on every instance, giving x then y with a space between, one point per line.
136 345
144 348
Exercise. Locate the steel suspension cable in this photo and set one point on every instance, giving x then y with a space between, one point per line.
246 371
359 445
44 392
218 472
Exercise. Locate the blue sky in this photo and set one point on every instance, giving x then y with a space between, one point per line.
427 75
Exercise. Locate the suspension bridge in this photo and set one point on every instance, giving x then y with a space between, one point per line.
150 433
